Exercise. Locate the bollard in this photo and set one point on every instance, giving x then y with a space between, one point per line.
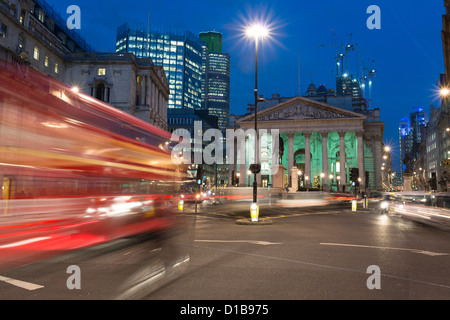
254 212
354 205
181 205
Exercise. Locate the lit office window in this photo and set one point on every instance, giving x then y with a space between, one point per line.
3 31
36 53
101 72
56 68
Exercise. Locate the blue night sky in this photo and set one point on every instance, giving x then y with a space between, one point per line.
407 50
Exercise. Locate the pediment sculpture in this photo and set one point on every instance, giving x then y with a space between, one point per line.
301 112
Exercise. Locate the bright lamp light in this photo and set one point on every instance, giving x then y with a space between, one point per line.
257 31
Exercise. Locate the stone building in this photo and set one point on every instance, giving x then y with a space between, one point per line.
133 85
321 142
32 33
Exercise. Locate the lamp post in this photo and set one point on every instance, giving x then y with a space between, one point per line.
256 31
322 175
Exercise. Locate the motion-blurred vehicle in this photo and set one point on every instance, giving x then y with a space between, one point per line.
75 171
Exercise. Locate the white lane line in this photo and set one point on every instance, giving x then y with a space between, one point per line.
428 253
261 243
21 284
24 242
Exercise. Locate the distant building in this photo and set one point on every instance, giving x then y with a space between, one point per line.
405 140
412 135
177 50
216 78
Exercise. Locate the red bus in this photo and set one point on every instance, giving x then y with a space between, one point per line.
75 171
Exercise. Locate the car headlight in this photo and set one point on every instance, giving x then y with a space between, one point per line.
384 204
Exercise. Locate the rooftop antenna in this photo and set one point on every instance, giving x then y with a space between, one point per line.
299 94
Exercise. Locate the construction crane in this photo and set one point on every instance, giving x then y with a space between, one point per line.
368 72
342 52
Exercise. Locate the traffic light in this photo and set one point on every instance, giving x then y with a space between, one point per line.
433 181
367 178
200 175
354 175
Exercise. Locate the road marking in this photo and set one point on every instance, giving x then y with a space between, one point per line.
22 243
261 243
428 253
21 284
314 264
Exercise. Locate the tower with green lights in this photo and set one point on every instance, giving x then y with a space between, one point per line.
216 78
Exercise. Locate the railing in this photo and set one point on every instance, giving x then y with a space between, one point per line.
61 23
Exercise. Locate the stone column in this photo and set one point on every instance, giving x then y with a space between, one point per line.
342 160
294 184
291 150
325 160
153 96
232 160
141 90
242 166
307 158
362 170
377 155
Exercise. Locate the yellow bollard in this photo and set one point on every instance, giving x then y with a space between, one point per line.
181 205
254 212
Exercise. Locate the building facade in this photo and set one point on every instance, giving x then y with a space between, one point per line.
177 50
133 85
321 141
216 78
32 33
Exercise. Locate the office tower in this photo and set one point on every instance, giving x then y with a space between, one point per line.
177 50
411 131
404 139
216 78
419 119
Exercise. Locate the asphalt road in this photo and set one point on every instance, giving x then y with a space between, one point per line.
310 253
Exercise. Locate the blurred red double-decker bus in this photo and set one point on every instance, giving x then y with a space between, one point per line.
75 171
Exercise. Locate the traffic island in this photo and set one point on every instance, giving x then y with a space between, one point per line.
249 222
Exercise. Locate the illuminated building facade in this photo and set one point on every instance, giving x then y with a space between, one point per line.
321 141
177 50
216 78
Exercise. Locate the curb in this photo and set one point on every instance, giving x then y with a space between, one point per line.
249 222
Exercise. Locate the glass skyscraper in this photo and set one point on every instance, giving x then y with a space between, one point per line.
177 50
216 78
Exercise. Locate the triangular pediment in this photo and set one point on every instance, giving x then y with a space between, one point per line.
299 108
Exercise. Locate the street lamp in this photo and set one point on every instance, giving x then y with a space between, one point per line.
257 31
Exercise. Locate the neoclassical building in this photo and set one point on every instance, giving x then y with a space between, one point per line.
32 33
324 142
